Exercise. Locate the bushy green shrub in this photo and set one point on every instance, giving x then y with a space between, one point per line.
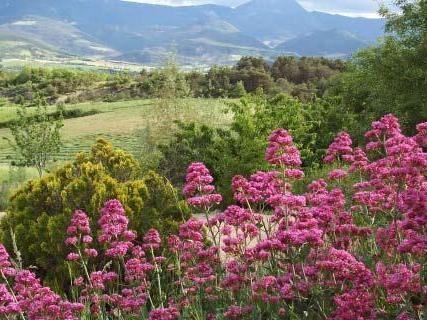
240 148
39 212
191 143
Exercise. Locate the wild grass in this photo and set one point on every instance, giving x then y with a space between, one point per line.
10 179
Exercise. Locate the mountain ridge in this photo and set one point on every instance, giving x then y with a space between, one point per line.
319 42
211 33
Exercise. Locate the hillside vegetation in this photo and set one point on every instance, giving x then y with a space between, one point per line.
285 190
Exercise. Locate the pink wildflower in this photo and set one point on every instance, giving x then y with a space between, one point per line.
281 150
113 221
355 304
337 174
258 188
170 313
421 137
79 224
341 147
236 313
152 239
198 188
4 257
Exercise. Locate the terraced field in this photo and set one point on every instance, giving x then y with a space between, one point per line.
124 123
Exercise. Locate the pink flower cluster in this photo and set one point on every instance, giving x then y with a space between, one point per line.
79 236
281 150
198 187
340 149
114 229
126 289
421 137
22 295
331 253
258 188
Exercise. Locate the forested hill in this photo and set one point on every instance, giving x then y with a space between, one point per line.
143 33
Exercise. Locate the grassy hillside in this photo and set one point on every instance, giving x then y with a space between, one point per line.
123 123
54 37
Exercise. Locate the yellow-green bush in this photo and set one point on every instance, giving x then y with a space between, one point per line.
40 211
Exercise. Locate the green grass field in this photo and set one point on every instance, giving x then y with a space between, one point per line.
121 123
26 173
11 178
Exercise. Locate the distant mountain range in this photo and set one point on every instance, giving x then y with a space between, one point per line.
199 35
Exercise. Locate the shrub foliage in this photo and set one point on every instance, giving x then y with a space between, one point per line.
239 149
39 212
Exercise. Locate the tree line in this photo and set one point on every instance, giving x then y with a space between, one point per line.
299 77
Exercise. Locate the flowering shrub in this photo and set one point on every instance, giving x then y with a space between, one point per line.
272 255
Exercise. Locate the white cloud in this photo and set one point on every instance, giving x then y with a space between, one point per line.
365 8
231 3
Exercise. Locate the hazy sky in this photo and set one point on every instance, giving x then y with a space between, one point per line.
367 8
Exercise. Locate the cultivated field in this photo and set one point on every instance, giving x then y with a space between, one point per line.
124 123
